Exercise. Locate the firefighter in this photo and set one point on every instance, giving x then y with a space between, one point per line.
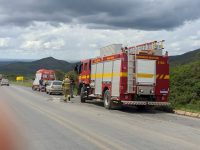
40 84
66 88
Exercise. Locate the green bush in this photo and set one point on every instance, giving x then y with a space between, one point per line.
185 86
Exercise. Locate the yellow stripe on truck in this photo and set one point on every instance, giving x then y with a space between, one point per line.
145 75
166 77
109 75
124 74
161 76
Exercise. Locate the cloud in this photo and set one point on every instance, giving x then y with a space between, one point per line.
4 42
77 29
73 43
110 14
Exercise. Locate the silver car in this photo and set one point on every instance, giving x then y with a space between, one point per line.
4 82
54 87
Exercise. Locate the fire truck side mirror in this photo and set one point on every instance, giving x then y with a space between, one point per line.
76 69
80 68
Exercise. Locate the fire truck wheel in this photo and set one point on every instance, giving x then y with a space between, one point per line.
82 95
107 100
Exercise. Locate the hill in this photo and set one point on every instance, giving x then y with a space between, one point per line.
29 68
185 80
185 58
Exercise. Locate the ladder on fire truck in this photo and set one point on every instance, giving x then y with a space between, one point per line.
132 52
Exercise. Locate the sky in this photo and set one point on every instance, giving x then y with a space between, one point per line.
76 29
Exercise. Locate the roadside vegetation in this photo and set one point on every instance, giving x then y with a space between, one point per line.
23 83
185 87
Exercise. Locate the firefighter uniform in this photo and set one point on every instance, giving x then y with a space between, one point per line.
66 88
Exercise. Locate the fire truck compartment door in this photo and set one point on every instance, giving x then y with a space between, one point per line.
93 72
107 71
146 72
116 78
99 76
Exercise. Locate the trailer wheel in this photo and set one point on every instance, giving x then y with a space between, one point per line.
82 96
107 100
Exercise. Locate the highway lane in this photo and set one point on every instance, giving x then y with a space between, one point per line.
49 123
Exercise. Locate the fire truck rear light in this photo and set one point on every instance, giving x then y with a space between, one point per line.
152 91
141 91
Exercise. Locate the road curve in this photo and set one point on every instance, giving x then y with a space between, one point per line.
48 123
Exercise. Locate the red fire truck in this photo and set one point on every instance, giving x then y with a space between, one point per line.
137 75
44 75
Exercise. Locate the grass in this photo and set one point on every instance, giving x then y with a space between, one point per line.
189 108
24 83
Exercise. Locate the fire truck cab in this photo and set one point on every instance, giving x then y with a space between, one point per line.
137 75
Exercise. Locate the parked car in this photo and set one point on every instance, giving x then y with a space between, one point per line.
5 82
54 87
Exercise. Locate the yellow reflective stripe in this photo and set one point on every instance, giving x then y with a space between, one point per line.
166 77
123 74
109 75
161 76
98 75
145 75
92 76
84 77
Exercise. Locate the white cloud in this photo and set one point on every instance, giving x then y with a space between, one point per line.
78 42
4 42
31 45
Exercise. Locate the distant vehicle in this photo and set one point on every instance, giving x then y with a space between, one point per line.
44 75
54 87
1 76
5 82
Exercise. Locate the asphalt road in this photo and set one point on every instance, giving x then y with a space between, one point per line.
47 123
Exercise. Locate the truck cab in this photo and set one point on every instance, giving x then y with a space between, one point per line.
84 71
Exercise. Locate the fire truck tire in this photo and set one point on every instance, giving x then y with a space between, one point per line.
108 104
82 95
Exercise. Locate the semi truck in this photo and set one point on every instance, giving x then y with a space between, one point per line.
136 75
42 75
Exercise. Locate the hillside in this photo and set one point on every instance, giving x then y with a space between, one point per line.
29 68
185 80
185 58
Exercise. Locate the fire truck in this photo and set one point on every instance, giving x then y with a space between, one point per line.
44 75
136 75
